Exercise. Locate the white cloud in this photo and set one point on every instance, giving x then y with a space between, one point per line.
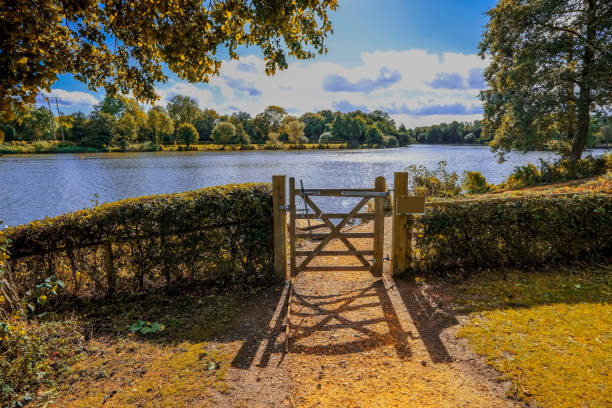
417 87
71 98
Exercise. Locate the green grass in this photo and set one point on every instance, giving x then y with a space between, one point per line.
548 332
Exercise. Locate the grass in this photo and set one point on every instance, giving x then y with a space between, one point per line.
103 363
547 331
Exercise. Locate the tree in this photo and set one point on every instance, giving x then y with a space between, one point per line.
187 133
78 132
244 120
295 132
550 68
100 130
223 133
242 137
314 125
374 136
183 109
125 130
160 125
205 122
124 47
347 129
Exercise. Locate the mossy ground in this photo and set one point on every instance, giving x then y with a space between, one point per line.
547 331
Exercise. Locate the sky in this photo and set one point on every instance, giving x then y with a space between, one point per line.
417 60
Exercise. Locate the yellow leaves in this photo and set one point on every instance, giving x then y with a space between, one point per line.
22 61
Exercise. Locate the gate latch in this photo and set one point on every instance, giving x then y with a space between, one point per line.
283 207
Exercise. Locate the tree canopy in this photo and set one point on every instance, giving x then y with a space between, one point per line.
549 71
123 46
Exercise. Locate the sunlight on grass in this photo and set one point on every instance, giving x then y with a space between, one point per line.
549 333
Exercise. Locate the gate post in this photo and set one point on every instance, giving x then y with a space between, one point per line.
401 242
279 229
379 226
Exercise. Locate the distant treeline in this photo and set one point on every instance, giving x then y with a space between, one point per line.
121 123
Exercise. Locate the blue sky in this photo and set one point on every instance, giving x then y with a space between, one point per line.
415 59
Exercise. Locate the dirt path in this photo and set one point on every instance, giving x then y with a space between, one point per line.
359 341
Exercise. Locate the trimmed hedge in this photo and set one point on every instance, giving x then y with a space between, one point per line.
218 233
526 231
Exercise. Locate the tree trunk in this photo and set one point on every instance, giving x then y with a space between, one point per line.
582 124
584 97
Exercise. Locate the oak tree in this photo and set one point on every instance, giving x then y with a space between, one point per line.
549 71
123 46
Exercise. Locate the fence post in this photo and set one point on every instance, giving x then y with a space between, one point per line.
401 242
292 266
280 227
109 268
379 226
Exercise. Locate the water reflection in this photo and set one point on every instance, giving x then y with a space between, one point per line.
34 186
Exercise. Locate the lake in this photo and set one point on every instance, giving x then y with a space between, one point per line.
35 186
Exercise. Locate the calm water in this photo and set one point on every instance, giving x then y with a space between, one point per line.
35 186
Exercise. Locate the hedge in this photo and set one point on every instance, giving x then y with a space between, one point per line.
218 233
526 231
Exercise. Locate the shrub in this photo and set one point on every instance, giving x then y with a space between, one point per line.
560 170
217 233
273 142
325 137
474 183
373 136
187 133
526 231
391 141
437 182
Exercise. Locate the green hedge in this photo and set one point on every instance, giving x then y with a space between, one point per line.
219 233
527 231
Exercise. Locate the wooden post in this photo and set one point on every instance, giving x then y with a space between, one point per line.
292 270
279 229
379 226
400 246
109 268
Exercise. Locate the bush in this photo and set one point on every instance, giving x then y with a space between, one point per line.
325 137
437 182
35 355
217 233
474 183
560 170
391 141
527 231
187 133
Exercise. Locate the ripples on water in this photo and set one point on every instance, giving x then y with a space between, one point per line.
35 186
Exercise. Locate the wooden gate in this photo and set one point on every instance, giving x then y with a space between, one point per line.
369 259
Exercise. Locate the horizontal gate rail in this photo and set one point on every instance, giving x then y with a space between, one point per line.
340 235
335 253
336 268
364 216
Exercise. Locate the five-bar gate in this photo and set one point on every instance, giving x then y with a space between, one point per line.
369 259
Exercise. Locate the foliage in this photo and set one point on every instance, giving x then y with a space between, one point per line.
274 142
223 133
218 233
295 132
325 137
374 136
187 133
143 327
160 124
207 119
35 355
347 128
123 48
474 183
561 170
314 126
437 182
549 70
448 133
522 231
